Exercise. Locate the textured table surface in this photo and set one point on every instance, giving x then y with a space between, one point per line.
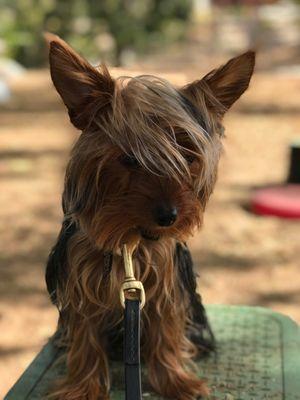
258 358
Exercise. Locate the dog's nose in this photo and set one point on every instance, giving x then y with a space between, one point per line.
165 215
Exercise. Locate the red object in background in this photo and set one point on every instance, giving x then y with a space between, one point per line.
280 201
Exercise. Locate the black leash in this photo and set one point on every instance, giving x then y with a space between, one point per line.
133 305
133 386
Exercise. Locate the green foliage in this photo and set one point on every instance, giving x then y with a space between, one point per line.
107 28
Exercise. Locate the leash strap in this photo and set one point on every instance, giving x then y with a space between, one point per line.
132 316
133 386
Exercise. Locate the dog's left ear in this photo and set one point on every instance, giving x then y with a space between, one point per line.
82 87
226 84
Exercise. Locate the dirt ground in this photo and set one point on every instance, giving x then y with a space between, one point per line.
242 258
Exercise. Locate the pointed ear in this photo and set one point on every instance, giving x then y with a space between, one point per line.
82 87
226 83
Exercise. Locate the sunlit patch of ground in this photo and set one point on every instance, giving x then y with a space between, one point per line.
242 258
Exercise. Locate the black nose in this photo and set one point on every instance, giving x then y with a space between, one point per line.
165 215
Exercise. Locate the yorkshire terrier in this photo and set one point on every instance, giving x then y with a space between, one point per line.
141 172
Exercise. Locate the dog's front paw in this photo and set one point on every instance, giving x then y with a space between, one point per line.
191 389
178 386
78 392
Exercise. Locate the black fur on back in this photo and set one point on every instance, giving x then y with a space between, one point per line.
56 269
200 334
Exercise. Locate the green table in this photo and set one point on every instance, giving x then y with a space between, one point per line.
258 358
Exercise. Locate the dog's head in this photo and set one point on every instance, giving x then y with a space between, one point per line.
146 161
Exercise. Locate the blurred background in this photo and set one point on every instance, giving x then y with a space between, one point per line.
242 258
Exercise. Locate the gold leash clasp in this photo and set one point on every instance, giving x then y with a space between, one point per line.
130 284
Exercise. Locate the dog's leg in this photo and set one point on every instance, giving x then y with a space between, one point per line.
167 353
87 375
200 332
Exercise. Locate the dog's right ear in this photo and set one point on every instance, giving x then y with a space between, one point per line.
82 87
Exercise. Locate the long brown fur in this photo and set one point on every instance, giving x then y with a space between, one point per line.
144 142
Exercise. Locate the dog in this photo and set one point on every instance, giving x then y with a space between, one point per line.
140 173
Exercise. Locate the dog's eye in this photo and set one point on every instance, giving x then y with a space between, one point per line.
190 158
129 161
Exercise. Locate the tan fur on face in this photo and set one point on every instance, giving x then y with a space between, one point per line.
148 121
